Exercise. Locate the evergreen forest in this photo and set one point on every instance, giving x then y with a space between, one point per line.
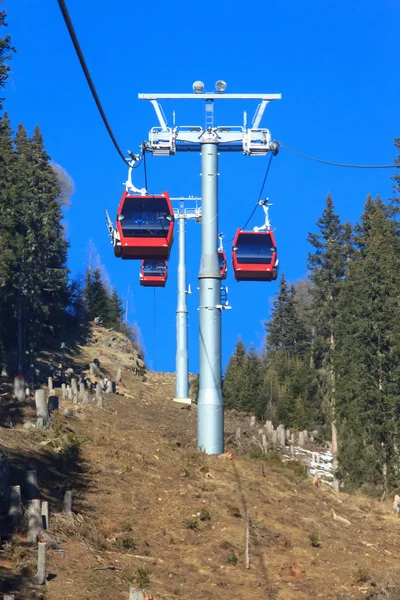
331 357
39 301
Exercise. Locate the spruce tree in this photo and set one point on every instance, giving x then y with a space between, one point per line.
250 384
233 382
116 311
368 354
97 299
9 240
6 50
285 331
327 264
395 201
42 279
287 393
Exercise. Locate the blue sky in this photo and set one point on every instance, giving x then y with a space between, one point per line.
335 63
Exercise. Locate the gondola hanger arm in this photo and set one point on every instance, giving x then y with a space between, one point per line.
267 223
129 184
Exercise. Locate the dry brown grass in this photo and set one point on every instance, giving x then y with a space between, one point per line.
142 485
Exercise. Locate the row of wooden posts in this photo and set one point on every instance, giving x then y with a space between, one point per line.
38 519
75 391
271 438
38 510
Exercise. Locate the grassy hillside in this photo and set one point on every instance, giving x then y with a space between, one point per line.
151 512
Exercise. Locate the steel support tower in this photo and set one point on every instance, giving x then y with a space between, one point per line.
188 210
210 141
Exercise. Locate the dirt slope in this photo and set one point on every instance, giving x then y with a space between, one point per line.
152 512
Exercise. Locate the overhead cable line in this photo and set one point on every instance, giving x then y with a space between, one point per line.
259 195
336 164
78 50
261 191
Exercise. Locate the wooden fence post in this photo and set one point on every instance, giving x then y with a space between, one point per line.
42 412
274 438
67 504
19 388
40 576
74 386
281 436
31 485
135 594
264 442
34 521
45 514
15 509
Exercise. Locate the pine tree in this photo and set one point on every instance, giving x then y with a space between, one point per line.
285 332
116 310
6 50
42 278
327 265
395 201
8 161
288 395
368 353
96 297
9 240
77 307
250 384
233 384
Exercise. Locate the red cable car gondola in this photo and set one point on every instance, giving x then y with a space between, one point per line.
254 256
153 273
222 257
145 227
222 263
254 253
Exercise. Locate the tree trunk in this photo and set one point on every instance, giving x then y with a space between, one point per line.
20 343
333 414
